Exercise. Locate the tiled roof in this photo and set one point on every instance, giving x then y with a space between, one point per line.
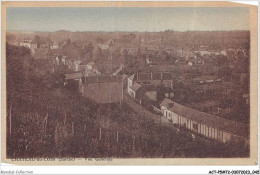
228 126
149 87
143 76
118 70
108 92
91 63
167 103
166 76
107 66
152 76
102 79
156 76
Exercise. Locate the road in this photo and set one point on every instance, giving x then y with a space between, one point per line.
159 119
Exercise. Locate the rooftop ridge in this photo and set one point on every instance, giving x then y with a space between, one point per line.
213 121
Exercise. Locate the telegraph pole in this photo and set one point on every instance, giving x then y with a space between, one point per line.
10 122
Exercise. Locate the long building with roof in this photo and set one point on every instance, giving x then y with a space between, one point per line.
153 78
211 126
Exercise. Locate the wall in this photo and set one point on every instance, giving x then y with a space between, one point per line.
202 129
130 83
226 137
111 92
25 45
168 83
131 92
76 67
33 46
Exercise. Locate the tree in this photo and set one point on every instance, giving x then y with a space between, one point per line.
100 40
97 53
37 40
124 53
220 59
10 37
225 72
90 50
68 42
244 81
72 51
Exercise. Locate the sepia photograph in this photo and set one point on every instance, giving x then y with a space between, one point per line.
129 82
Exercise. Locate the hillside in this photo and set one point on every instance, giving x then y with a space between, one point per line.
45 119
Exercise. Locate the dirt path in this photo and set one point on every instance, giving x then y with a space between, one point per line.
147 114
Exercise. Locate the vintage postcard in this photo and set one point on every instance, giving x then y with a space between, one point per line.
129 83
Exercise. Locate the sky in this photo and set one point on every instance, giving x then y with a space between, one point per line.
127 18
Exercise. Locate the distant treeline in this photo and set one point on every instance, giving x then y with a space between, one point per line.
189 39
